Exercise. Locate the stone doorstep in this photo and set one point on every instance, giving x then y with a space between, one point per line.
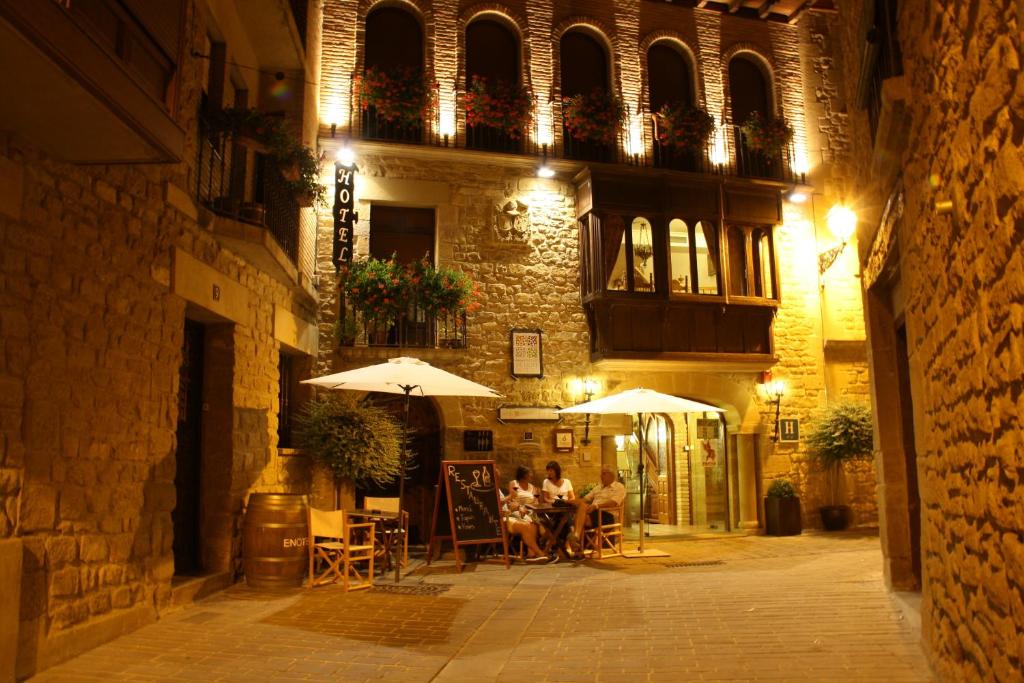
186 590
909 604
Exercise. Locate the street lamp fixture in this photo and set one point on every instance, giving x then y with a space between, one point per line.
842 221
545 171
346 156
588 387
775 389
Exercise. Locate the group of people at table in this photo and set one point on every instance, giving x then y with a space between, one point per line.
523 505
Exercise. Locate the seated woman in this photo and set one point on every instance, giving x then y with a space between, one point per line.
518 519
555 487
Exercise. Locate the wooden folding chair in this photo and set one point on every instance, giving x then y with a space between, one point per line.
398 535
605 540
338 547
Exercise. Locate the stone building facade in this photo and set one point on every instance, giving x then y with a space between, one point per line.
105 268
535 282
940 246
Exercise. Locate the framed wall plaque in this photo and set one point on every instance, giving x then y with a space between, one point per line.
564 441
527 353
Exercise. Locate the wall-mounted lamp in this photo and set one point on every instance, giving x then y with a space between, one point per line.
334 129
346 156
775 390
587 387
797 194
842 221
545 171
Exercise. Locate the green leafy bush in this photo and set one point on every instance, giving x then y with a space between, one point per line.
781 488
353 439
379 290
845 433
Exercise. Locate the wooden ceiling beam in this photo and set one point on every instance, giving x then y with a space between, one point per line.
734 6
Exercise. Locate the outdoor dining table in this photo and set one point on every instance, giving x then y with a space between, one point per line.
383 523
553 518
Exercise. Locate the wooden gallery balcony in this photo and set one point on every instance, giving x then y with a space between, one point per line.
678 267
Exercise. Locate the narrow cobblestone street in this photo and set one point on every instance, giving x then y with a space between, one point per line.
809 607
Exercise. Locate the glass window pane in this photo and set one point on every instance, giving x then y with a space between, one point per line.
613 249
763 284
643 256
706 244
679 257
737 262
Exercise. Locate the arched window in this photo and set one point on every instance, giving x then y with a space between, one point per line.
693 258
393 63
668 77
628 255
671 93
585 77
750 93
494 88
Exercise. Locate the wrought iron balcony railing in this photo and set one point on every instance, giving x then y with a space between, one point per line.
416 329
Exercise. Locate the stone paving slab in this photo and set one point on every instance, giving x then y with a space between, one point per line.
810 607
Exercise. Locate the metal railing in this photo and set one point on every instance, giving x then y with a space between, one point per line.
753 163
416 329
492 140
223 186
671 157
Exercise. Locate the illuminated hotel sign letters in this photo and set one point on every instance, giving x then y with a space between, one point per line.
344 216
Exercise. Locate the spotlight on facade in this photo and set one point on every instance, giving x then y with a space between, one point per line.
545 171
842 221
346 156
775 389
797 195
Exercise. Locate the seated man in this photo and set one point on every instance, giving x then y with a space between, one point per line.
610 494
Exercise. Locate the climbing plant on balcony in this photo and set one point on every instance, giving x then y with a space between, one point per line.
767 135
500 105
684 127
271 134
596 116
403 95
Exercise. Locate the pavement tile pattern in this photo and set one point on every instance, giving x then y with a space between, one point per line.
748 608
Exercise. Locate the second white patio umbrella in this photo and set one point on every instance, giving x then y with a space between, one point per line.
639 402
409 376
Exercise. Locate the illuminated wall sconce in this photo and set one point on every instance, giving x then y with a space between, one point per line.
842 221
775 389
797 194
345 156
586 387
545 171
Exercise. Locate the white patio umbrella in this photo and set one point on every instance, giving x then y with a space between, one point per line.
409 376
639 402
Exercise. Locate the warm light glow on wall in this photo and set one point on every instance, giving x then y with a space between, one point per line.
635 140
544 122
334 114
446 110
800 163
718 155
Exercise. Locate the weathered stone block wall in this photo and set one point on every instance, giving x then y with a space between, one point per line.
963 275
90 347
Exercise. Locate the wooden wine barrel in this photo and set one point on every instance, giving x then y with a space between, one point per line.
275 537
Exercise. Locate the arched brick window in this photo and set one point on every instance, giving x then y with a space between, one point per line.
493 68
750 92
393 64
585 74
668 76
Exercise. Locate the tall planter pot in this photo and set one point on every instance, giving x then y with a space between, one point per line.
782 516
835 517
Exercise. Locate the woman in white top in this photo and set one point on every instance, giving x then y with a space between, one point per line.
555 487
522 489
518 519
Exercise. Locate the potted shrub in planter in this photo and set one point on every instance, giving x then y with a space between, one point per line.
843 435
782 509
684 128
379 290
403 96
505 107
355 440
595 117
766 135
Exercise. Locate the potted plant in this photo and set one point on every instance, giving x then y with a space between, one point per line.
379 290
684 127
440 290
843 435
402 95
355 440
503 106
782 509
346 329
596 116
766 135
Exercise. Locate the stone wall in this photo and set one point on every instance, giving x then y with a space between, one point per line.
91 332
962 276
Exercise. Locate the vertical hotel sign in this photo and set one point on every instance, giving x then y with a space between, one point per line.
344 216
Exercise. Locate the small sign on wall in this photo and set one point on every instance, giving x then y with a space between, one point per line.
527 358
789 430
708 428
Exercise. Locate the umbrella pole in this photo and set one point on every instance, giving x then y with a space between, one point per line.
640 471
401 479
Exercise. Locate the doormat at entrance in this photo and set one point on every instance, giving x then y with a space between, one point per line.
684 565
421 589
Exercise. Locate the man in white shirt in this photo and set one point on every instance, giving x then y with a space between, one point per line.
610 494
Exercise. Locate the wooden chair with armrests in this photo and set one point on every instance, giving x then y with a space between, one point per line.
400 535
605 539
338 547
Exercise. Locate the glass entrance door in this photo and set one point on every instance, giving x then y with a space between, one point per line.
709 472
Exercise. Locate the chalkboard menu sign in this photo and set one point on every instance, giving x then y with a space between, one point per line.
467 507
